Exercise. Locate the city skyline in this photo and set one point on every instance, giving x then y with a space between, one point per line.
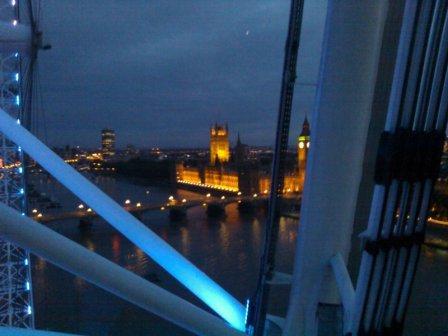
171 78
233 141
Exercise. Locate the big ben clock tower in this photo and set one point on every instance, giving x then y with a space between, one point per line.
303 145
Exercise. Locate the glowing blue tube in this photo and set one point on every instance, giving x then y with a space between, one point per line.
29 332
174 263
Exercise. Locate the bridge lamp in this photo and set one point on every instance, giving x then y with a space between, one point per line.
89 210
81 206
138 205
208 195
127 202
223 197
34 211
184 201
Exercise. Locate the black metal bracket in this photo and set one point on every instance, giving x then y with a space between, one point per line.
408 156
373 247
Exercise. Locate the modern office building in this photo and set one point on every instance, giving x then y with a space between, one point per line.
108 142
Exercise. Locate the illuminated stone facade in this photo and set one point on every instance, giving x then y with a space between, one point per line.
190 174
290 184
208 177
219 144
239 175
220 178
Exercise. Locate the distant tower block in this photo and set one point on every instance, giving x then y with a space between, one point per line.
108 142
303 145
219 144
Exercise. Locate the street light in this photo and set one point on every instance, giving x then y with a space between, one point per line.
127 202
81 206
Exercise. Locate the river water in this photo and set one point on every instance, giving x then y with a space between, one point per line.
227 250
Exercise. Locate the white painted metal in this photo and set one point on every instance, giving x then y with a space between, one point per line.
416 117
96 269
345 287
166 256
352 43
435 119
380 193
386 275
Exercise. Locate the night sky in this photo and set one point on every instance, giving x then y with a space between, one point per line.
161 72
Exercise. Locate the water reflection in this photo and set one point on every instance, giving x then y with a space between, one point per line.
185 238
116 247
224 238
228 250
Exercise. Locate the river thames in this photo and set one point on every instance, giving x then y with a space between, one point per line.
226 249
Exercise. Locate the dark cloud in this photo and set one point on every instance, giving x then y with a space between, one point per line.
160 72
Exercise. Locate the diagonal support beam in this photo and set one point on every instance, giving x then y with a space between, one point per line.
172 261
345 288
96 269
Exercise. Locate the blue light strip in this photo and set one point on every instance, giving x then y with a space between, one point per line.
247 312
29 332
174 263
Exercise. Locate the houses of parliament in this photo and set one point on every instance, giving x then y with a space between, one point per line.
233 170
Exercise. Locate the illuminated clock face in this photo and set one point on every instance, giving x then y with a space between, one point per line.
301 145
307 145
